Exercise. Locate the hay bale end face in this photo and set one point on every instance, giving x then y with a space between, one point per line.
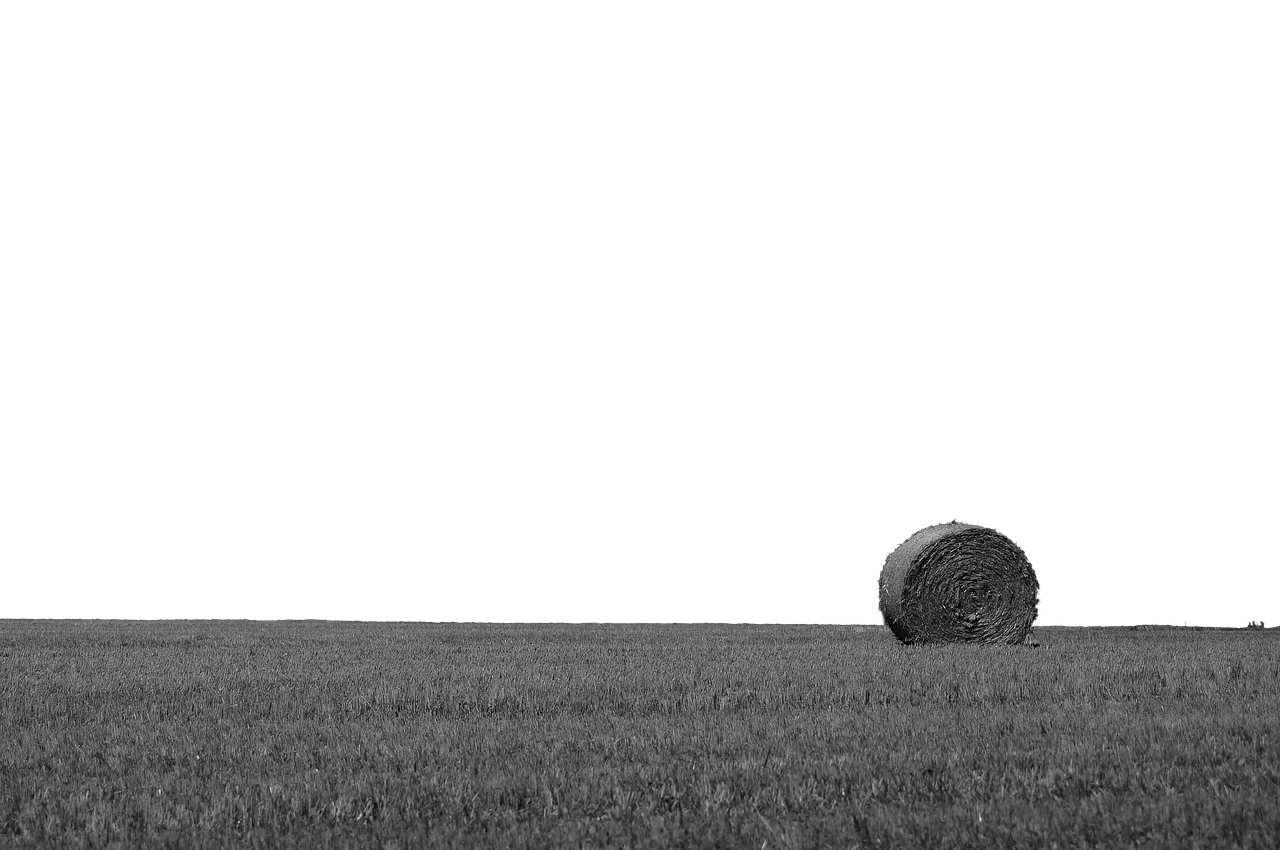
958 583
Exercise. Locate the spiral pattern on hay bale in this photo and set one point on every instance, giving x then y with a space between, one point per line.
958 583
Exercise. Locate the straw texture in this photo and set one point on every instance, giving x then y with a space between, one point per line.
958 583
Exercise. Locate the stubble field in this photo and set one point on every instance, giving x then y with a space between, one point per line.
314 734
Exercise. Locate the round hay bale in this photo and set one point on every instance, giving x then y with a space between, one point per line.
958 583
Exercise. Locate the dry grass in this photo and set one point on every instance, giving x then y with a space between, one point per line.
313 734
958 583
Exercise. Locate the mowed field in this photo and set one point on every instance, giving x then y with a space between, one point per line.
313 734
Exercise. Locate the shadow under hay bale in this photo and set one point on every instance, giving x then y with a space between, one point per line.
958 583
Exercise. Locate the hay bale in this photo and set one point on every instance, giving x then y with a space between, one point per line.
954 583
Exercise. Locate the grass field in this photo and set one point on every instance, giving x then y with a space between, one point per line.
312 734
